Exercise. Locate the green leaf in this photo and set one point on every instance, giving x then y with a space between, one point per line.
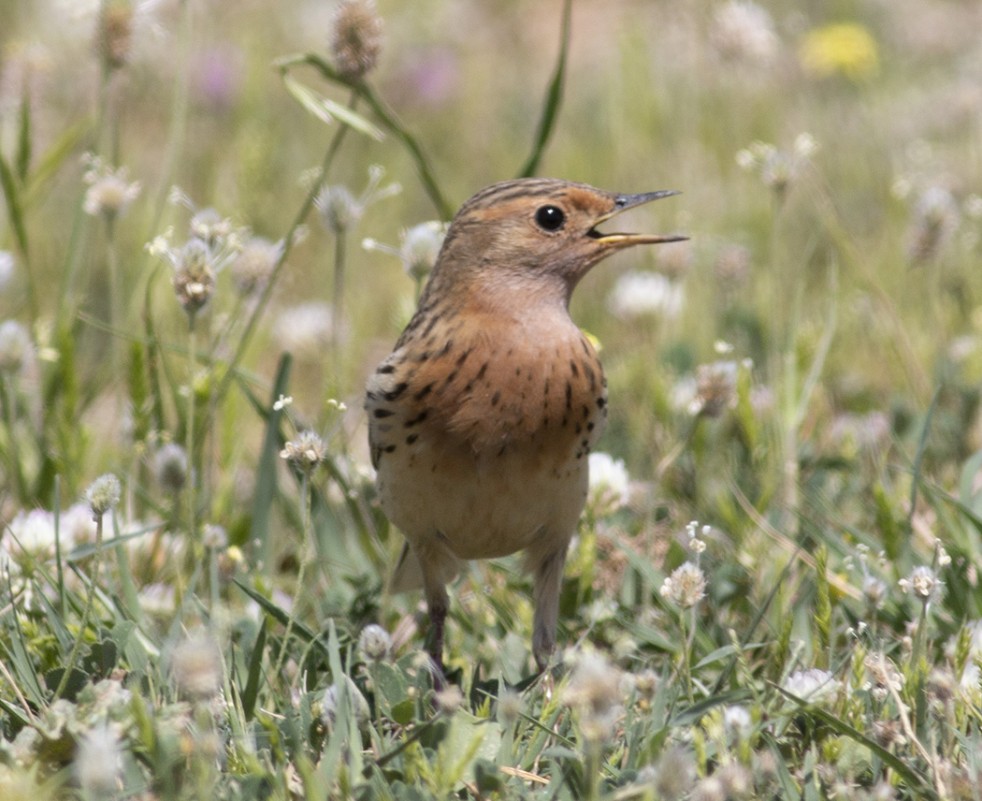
77 680
327 110
101 659
15 210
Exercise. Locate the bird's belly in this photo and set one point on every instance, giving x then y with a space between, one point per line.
483 506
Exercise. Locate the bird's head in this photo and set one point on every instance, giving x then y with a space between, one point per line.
538 231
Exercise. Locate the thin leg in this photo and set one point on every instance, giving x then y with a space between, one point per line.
436 605
548 580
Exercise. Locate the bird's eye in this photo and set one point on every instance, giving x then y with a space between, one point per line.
550 218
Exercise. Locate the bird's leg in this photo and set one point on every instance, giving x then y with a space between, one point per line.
547 583
437 603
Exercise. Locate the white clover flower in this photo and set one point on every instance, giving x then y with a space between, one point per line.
374 642
609 483
158 599
737 720
306 329
76 526
743 31
32 535
196 667
214 536
686 586
98 762
811 685
646 293
594 692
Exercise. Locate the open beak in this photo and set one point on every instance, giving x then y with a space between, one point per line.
623 240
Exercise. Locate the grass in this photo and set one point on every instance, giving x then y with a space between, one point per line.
803 380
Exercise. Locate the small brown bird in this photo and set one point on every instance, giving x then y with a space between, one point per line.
481 419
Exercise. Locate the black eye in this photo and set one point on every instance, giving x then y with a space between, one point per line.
550 218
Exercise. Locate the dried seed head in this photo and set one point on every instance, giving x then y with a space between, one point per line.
194 277
340 210
110 192
922 583
420 247
356 38
936 216
305 452
715 388
874 591
594 691
884 678
254 264
114 33
449 699
732 265
211 228
214 537
103 494
170 467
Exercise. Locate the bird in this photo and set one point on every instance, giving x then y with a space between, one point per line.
481 420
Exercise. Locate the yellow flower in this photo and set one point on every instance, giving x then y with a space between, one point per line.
845 48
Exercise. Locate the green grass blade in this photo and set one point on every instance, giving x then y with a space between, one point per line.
554 96
15 209
328 111
251 690
266 482
23 160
